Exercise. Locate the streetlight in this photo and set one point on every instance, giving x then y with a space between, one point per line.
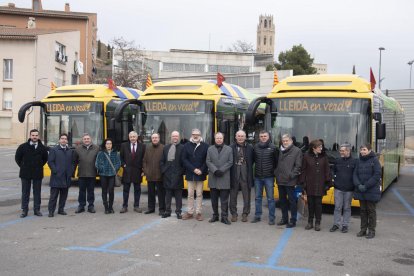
411 67
379 74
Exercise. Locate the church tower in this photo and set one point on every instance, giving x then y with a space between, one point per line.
266 35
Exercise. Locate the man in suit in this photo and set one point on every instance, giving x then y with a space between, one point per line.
31 157
132 154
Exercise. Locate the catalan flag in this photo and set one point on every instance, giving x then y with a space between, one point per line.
53 86
372 79
275 79
149 81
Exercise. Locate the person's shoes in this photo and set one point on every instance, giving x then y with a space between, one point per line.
256 219
107 211
137 209
160 213
213 219
244 218
271 222
334 228
199 217
317 227
124 210
23 214
38 213
370 235
149 212
233 218
166 215
80 210
291 225
187 216
282 222
344 229
91 210
51 215
309 226
179 216
225 221
362 233
111 210
63 213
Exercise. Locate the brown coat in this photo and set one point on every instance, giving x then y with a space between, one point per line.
151 162
315 174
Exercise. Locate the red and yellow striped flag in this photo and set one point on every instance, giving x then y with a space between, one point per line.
52 86
149 81
275 78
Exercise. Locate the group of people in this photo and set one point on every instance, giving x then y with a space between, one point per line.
230 169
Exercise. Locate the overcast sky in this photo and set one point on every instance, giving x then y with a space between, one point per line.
338 33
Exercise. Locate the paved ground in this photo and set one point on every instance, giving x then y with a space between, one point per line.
138 244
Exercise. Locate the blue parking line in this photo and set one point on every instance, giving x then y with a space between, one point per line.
403 201
274 257
105 247
8 223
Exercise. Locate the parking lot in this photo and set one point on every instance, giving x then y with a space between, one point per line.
139 244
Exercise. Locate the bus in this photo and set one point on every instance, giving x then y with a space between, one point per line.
338 109
187 104
80 109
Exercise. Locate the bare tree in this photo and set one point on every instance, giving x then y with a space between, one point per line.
241 46
129 69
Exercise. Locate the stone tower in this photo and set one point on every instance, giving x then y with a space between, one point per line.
266 35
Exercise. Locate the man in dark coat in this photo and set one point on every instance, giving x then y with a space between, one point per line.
287 174
152 171
60 162
241 175
219 161
85 157
172 174
132 154
194 160
31 157
344 186
265 158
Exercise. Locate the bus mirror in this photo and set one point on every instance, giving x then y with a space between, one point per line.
25 107
111 123
377 117
273 108
380 131
251 110
120 108
223 126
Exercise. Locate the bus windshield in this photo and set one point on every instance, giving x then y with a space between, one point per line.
74 119
165 116
335 120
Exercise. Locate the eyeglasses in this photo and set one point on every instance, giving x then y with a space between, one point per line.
195 134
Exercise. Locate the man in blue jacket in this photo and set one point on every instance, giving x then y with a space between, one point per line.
194 161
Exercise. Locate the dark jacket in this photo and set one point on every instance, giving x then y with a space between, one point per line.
249 155
343 171
61 164
315 174
172 171
151 162
103 166
132 168
289 166
194 157
85 158
265 159
222 161
31 160
368 172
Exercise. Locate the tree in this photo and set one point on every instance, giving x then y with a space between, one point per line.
241 46
129 69
296 59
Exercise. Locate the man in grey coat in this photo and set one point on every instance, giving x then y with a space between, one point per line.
219 161
287 173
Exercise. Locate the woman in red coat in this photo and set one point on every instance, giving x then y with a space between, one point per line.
316 179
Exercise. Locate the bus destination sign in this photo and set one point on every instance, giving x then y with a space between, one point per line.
314 105
68 107
174 106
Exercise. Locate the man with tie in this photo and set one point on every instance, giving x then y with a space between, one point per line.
132 154
31 157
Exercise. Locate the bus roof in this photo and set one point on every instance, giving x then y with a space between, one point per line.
198 87
94 91
326 82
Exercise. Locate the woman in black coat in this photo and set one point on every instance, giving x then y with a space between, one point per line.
367 181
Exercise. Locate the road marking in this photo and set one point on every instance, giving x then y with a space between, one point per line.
105 248
274 258
8 223
403 201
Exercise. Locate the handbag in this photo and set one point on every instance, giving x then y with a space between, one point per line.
303 206
118 182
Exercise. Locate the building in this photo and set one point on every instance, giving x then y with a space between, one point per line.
32 59
320 68
266 35
85 23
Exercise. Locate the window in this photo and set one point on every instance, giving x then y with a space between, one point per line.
270 41
264 41
7 99
182 67
258 41
74 79
7 69
59 77
5 127
60 53
265 23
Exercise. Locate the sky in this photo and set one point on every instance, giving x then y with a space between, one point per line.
338 33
